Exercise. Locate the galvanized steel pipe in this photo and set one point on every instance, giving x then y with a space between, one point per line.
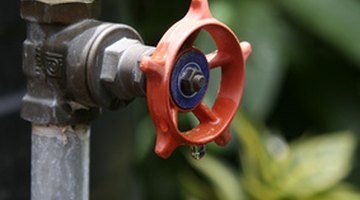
60 162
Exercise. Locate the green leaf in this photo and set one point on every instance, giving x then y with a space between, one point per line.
263 156
225 181
254 155
317 164
340 192
274 170
335 21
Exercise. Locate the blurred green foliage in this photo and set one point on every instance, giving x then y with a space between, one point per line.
303 78
272 169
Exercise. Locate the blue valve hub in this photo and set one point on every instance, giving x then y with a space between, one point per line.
195 61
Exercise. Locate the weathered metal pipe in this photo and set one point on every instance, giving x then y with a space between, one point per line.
60 162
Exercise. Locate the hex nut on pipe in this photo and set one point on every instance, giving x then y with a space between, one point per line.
120 69
112 57
52 11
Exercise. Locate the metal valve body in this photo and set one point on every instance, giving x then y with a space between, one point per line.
77 65
73 66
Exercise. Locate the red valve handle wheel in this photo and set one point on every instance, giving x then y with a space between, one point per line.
174 59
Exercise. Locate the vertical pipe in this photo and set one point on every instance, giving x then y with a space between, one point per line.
60 162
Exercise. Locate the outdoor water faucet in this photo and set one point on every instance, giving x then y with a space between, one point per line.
76 65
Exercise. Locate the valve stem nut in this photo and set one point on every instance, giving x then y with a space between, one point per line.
120 71
192 82
198 82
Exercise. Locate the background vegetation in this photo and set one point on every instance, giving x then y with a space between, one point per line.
294 137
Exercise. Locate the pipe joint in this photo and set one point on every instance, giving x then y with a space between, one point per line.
76 67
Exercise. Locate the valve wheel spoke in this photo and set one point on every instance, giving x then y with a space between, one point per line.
174 114
205 114
217 59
